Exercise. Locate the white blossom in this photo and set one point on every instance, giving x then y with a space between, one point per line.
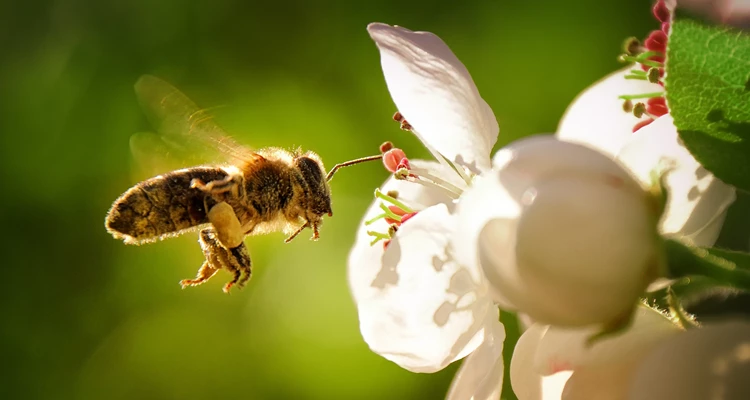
712 362
551 363
697 201
417 306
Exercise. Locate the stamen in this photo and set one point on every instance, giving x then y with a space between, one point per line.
639 110
440 181
631 46
627 106
654 74
434 185
378 236
375 219
386 146
392 200
389 213
641 96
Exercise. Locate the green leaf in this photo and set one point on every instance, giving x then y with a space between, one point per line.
708 93
726 268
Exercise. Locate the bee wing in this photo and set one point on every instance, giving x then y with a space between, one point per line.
186 133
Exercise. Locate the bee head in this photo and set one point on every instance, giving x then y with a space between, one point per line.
311 168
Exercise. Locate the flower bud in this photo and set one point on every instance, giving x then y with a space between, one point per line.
569 237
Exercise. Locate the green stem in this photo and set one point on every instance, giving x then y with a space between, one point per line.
685 260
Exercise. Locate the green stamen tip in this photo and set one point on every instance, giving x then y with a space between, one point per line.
388 213
375 219
393 201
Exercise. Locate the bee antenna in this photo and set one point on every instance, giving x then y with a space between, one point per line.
351 162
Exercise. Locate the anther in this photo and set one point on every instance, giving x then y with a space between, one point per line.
386 146
405 126
639 109
631 46
627 106
393 194
654 74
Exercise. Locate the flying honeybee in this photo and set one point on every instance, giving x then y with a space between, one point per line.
257 192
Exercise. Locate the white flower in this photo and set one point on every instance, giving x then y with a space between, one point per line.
417 306
697 202
553 363
563 233
712 362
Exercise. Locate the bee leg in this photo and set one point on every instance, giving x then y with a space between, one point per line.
316 234
204 274
236 260
215 187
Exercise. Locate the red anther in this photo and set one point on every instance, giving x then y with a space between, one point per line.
657 106
393 158
661 11
642 124
406 217
398 117
386 146
656 41
665 27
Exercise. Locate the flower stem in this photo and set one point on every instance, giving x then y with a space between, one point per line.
727 268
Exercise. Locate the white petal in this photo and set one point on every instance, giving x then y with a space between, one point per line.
698 201
423 310
434 92
596 119
566 349
365 261
481 374
584 244
712 362
527 382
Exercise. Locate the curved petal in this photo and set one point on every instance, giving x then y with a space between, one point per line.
697 201
481 374
527 382
596 119
569 237
365 261
434 92
566 349
424 310
708 363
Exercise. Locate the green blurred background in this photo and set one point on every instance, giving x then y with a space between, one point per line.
86 317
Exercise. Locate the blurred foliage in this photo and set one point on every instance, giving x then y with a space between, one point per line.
86 317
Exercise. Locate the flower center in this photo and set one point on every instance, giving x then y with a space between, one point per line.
650 56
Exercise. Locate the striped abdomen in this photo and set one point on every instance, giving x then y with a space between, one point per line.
161 206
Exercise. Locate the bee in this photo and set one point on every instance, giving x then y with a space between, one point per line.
257 192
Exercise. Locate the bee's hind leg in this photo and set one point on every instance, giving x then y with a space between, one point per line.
236 260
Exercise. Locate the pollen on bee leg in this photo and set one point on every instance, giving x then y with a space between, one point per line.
228 227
